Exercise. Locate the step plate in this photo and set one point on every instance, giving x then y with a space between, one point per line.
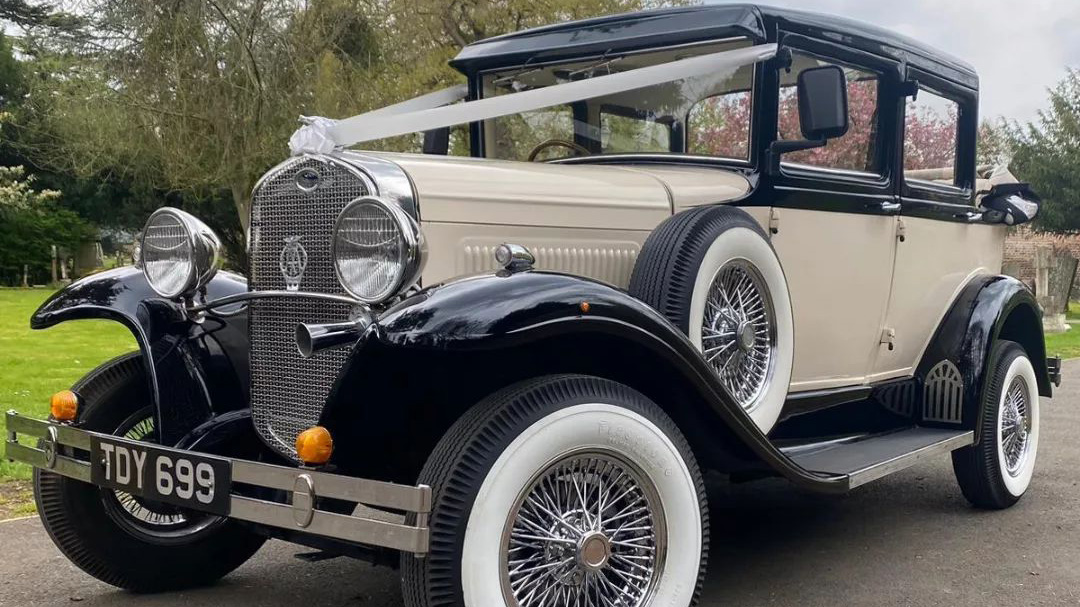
872 458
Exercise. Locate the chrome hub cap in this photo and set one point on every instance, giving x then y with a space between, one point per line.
738 332
1015 426
588 530
593 551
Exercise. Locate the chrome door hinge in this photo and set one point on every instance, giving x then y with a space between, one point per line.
774 222
901 230
888 337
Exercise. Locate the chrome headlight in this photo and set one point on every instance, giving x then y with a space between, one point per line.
179 254
378 250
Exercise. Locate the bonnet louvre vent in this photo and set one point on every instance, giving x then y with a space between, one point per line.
943 394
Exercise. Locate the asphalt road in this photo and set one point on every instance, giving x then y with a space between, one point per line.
909 539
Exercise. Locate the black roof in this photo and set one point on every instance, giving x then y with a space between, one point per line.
666 27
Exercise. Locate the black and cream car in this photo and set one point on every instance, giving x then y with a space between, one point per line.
709 238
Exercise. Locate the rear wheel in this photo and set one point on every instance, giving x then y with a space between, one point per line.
118 538
564 490
996 472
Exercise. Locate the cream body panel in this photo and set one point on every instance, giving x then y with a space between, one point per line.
500 192
933 264
456 249
696 186
839 270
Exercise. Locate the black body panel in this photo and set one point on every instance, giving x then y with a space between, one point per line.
437 345
195 369
989 308
687 25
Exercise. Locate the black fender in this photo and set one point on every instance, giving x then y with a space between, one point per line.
195 368
454 343
988 308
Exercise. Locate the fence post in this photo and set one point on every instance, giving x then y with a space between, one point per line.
54 281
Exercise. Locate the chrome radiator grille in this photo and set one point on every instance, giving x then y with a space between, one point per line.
288 392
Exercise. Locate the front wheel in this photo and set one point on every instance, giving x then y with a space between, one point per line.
121 539
995 473
564 490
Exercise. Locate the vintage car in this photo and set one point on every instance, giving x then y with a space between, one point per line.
635 248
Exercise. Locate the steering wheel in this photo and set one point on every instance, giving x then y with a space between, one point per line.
560 143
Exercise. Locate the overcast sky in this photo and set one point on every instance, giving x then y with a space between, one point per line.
1019 47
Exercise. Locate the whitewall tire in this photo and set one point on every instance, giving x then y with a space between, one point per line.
714 274
562 490
997 471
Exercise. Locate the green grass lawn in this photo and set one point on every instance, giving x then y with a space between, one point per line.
35 364
1073 313
1065 345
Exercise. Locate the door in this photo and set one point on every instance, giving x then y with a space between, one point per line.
835 213
942 249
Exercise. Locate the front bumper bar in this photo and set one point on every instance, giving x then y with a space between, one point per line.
65 449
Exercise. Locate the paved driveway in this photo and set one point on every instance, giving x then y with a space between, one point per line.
909 539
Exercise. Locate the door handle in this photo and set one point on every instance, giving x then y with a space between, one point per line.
888 207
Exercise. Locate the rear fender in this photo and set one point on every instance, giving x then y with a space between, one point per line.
194 369
988 308
520 325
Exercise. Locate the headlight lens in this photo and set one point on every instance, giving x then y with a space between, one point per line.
179 254
378 250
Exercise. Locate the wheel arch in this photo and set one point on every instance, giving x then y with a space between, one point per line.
423 413
192 369
436 354
1023 325
989 308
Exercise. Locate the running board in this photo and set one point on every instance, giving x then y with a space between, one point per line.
870 458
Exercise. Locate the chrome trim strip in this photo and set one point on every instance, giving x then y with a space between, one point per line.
296 512
901 462
62 465
250 295
390 180
379 494
330 524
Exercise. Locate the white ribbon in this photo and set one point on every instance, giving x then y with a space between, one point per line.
430 111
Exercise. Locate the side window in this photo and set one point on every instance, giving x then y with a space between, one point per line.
856 150
620 133
931 131
720 126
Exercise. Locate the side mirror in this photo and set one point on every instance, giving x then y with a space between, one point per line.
823 112
823 102
1011 204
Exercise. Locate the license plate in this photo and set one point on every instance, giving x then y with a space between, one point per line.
174 477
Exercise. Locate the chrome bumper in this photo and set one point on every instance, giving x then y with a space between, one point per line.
301 487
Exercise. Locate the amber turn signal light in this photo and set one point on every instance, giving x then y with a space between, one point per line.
314 445
64 405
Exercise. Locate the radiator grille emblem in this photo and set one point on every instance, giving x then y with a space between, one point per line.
307 179
293 262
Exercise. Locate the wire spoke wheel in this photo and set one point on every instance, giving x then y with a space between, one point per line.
738 335
1015 426
146 517
588 530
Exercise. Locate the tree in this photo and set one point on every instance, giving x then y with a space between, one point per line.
200 96
1046 153
33 223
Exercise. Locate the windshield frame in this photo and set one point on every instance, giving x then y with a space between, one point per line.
477 134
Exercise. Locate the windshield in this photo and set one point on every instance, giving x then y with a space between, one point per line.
707 115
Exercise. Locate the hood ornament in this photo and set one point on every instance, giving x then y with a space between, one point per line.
293 262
